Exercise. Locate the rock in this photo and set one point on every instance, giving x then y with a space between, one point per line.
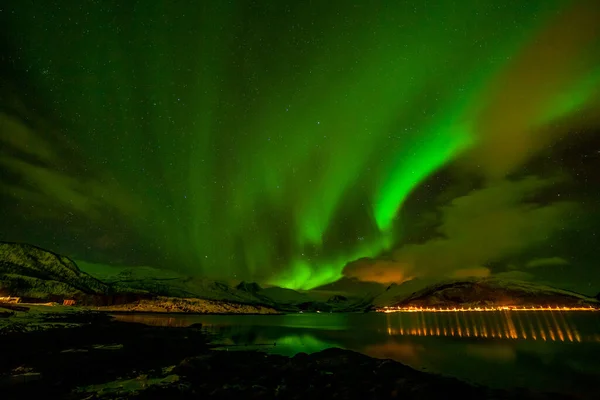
300 357
75 351
25 378
111 346
6 314
166 362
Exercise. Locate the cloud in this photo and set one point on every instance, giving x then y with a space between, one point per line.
380 271
44 176
484 226
478 272
542 262
553 77
22 138
515 275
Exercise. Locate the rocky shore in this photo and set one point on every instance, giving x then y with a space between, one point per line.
88 355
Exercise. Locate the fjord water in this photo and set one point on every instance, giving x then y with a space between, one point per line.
543 350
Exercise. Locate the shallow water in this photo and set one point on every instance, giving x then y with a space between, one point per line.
552 351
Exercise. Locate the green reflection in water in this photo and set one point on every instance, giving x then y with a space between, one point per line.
293 344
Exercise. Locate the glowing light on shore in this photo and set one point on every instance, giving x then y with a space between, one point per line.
555 325
482 309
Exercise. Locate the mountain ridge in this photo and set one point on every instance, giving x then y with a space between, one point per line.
474 292
34 273
26 269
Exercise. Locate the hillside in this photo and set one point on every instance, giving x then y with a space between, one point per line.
38 275
311 301
167 283
492 292
31 272
395 293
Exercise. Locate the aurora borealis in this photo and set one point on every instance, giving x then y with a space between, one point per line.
280 141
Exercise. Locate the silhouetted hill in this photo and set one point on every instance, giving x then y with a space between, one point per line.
337 299
352 286
250 287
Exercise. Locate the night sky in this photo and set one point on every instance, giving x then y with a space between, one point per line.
296 142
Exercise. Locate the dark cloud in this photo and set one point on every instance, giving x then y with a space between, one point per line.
546 262
533 102
484 226
515 275
554 77
46 175
377 270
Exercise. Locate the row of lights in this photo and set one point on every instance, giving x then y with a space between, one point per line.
483 309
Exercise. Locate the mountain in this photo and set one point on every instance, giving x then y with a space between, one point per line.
337 299
286 296
31 272
352 287
395 293
492 292
36 274
251 287
287 299
169 283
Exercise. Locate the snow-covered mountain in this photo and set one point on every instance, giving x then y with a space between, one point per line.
31 272
37 274
491 292
395 293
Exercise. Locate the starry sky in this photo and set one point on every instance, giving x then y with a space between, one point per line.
296 143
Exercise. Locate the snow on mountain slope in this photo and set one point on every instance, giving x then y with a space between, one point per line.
492 292
397 292
166 283
31 272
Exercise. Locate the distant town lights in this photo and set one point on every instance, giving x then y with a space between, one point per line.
483 309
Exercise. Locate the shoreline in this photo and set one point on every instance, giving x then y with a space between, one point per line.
53 308
103 358
181 313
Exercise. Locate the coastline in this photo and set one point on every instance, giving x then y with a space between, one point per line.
89 354
150 312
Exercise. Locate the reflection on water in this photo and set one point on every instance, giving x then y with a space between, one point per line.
545 326
551 350
549 325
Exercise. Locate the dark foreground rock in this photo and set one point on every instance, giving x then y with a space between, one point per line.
99 358
329 374
52 363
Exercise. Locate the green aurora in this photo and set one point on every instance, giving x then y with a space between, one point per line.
270 141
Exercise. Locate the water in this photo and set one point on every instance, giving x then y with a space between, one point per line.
552 351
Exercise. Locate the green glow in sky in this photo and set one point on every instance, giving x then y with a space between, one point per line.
270 141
